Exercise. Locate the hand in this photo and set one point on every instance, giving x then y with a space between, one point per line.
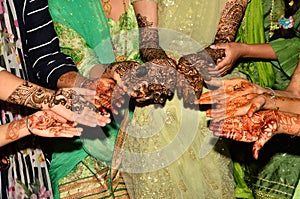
259 128
49 124
244 105
108 96
191 69
153 81
228 89
234 97
76 105
225 63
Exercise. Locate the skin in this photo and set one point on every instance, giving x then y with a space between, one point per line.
41 123
243 110
241 89
16 85
259 128
235 51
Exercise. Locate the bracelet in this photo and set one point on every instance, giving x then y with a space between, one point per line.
273 96
28 127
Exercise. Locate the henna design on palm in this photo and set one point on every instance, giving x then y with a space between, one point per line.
14 128
48 124
259 128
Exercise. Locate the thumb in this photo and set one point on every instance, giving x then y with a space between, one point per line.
218 46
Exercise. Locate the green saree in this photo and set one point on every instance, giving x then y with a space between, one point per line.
82 167
170 151
276 173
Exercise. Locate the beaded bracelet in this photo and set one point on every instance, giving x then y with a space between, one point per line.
273 96
28 127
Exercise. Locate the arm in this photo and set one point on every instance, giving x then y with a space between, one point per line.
46 124
66 102
147 18
235 51
259 128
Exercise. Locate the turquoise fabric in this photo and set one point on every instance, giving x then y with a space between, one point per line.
88 19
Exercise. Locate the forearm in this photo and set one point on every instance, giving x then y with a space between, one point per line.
13 131
288 123
37 97
18 91
11 82
281 103
70 80
258 51
148 10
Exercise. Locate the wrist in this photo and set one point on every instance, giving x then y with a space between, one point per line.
271 100
27 126
244 51
70 80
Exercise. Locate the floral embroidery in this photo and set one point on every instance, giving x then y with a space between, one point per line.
19 190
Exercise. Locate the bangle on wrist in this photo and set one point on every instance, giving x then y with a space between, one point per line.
273 97
28 127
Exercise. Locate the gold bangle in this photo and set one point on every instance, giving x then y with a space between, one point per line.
273 97
28 127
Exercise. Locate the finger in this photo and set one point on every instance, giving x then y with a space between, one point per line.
218 46
58 132
257 104
67 132
85 91
210 97
227 135
114 111
103 120
213 72
253 108
256 148
223 71
58 118
216 114
262 140
217 96
63 112
91 118
216 82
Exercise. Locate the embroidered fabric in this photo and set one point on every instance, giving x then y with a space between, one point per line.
168 151
162 155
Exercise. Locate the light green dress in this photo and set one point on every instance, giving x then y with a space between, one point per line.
169 151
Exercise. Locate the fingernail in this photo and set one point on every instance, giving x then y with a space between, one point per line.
212 46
